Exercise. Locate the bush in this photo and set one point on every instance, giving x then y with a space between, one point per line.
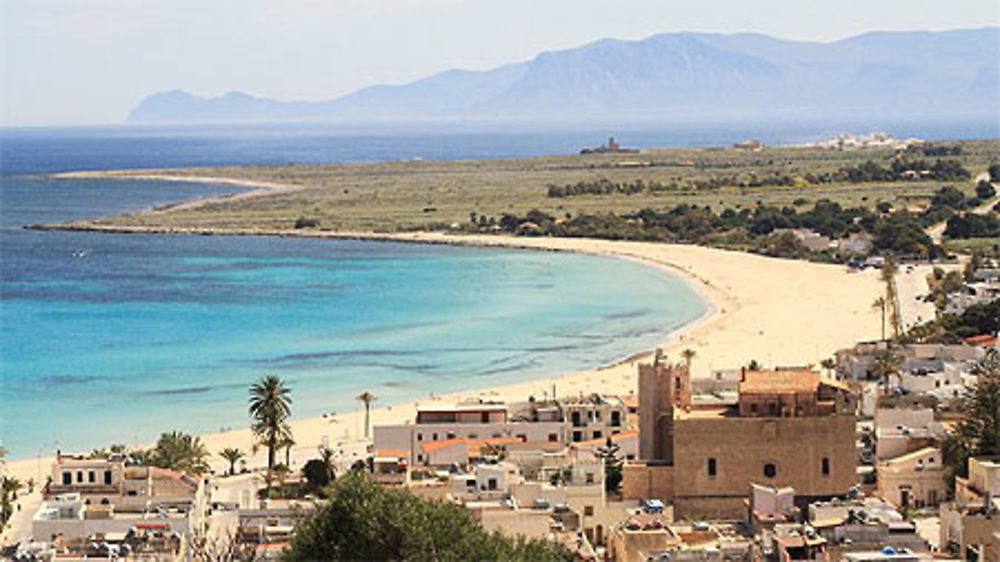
363 521
303 222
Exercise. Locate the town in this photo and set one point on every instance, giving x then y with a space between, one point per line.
888 450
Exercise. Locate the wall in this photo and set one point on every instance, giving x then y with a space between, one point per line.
648 481
742 446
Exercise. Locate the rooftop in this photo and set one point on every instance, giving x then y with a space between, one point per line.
785 381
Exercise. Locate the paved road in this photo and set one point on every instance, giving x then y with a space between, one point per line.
936 231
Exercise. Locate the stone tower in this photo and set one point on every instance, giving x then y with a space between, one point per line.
662 387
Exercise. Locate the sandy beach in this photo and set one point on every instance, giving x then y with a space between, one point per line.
778 312
775 311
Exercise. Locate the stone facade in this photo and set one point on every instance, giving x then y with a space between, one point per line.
789 429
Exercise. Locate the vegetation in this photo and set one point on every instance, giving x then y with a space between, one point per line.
362 521
978 433
9 487
232 456
977 319
367 398
270 409
611 453
319 473
400 196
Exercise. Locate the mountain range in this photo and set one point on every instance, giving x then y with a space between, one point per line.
667 75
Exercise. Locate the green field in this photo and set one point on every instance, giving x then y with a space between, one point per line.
434 195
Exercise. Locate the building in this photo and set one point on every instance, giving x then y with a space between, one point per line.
789 428
972 531
99 496
468 421
915 479
594 416
903 430
983 481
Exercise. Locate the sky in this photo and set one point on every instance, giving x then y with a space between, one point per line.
74 62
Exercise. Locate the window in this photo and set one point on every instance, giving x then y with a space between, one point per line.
770 470
79 476
107 477
434 437
67 478
132 493
598 435
616 418
826 466
577 436
420 437
491 484
104 501
772 409
553 438
711 468
473 436
590 478
91 477
588 510
753 409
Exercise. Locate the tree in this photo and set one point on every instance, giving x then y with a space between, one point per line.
363 521
978 434
232 455
829 363
994 172
985 190
9 487
612 466
287 442
688 354
886 365
880 304
270 408
367 398
179 451
318 473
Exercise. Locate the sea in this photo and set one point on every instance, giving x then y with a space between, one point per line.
115 338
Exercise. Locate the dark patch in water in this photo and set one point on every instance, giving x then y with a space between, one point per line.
331 354
176 391
626 314
66 379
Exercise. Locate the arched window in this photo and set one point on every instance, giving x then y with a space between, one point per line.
770 470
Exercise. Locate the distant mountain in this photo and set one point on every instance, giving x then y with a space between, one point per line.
672 74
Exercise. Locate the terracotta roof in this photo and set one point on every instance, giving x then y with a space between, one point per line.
474 446
438 445
158 472
984 340
769 382
397 453
631 401
629 433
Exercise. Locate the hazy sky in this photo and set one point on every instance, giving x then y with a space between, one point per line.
91 61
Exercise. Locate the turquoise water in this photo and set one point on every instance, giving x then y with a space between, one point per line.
115 338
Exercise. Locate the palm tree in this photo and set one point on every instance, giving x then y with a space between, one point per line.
232 455
829 363
287 442
688 354
887 364
9 487
270 408
880 304
182 452
367 398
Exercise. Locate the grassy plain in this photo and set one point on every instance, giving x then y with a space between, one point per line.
426 195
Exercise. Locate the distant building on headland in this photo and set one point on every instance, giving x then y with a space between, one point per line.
877 139
750 145
610 147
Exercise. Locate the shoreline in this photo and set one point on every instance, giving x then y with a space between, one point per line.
732 284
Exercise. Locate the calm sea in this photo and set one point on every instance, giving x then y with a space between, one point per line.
114 338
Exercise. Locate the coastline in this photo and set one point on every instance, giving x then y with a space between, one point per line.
737 288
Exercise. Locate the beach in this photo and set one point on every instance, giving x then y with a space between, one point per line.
777 312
